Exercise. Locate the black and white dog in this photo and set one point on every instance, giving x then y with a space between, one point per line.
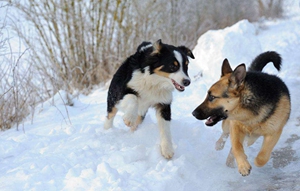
146 79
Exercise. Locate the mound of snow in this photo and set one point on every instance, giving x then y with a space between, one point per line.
237 43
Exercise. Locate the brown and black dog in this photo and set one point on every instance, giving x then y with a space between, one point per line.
251 104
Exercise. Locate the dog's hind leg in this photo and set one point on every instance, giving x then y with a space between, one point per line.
230 159
110 118
163 115
222 140
266 149
275 126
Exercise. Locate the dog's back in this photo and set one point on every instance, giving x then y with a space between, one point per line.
266 90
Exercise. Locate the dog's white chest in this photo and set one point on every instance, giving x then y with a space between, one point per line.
152 89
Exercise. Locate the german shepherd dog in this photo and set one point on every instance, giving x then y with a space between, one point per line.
251 104
146 79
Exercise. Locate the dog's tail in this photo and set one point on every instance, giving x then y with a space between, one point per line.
263 59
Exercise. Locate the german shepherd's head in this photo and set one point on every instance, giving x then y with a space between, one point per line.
223 97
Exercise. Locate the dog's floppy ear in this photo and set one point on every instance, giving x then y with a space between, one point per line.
157 46
187 51
238 75
226 67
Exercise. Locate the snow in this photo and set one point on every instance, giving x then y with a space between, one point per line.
67 148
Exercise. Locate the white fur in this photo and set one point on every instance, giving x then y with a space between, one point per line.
178 57
129 105
179 76
108 123
152 89
145 47
165 136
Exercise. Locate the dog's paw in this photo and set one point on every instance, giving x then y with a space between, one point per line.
167 151
220 144
261 160
244 168
108 124
230 161
129 121
133 128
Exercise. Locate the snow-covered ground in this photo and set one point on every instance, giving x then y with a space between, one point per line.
66 148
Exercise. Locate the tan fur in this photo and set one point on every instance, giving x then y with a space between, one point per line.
243 125
156 47
112 113
133 127
161 73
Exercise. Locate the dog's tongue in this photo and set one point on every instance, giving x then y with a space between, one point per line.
177 86
210 120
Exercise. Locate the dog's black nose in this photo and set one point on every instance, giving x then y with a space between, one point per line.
186 82
195 113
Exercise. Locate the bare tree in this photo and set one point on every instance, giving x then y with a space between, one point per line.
84 42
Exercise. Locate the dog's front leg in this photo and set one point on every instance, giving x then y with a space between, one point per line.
237 138
222 140
163 115
129 105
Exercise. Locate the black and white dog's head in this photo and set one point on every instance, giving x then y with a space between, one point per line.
168 61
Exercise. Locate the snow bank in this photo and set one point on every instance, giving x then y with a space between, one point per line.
238 43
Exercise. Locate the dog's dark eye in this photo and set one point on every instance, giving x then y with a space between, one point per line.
174 66
211 97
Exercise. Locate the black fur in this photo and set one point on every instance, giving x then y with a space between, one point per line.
165 111
144 57
266 89
216 114
263 59
118 88
147 79
164 56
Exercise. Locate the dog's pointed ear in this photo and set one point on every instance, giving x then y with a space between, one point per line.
186 51
226 67
157 46
238 76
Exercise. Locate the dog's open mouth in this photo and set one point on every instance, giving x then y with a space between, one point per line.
212 120
177 86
